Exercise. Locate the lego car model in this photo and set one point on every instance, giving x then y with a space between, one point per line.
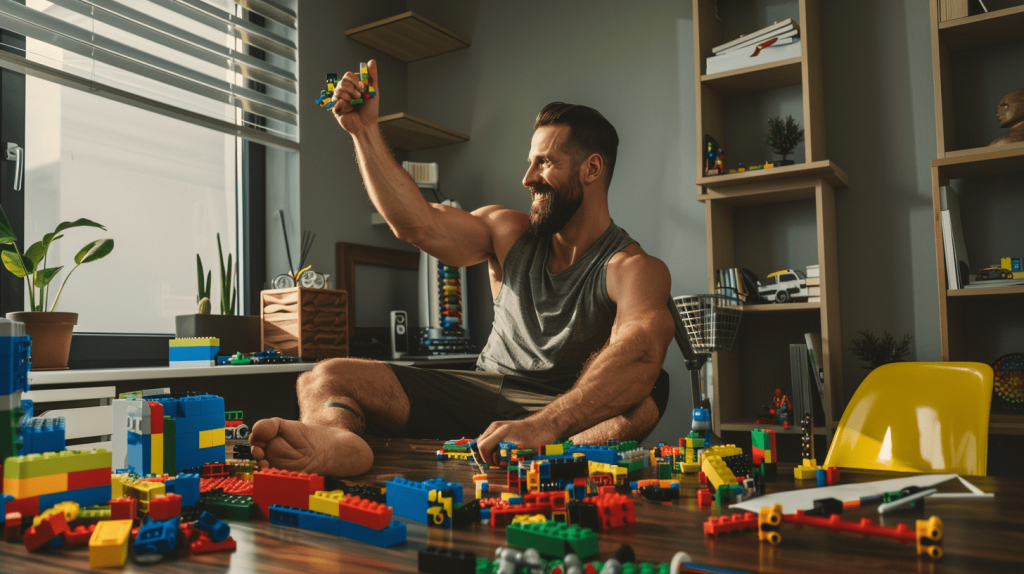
990 273
783 286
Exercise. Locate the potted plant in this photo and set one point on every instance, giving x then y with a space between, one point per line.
49 329
783 137
237 333
878 351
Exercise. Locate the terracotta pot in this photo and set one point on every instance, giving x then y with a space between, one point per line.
51 337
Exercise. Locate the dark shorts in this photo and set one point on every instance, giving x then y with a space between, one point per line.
453 404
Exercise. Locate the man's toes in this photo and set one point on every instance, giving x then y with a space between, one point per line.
264 430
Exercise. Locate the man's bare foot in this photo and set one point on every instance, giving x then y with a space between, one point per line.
293 445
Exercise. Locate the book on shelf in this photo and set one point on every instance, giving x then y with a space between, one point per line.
753 56
814 299
729 282
813 281
800 375
814 353
814 290
994 283
761 35
958 267
788 36
813 271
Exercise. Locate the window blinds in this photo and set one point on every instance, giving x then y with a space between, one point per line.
188 59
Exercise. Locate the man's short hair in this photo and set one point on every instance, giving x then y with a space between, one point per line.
589 132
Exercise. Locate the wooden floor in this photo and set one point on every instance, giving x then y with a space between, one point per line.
980 536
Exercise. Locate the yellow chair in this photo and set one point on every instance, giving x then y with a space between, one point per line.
917 417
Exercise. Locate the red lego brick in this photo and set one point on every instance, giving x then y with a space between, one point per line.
212 470
502 517
51 527
12 526
156 417
366 512
704 498
606 488
730 523
204 545
757 455
613 509
555 499
88 478
832 474
229 484
165 507
286 488
702 478
834 523
26 506
602 479
79 536
124 508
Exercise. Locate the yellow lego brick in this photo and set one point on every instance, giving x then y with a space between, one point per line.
212 437
717 471
326 502
554 449
508 495
29 487
156 449
689 467
47 463
108 545
69 508
148 490
768 456
195 342
805 471
723 450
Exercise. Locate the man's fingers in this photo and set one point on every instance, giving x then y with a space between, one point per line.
371 69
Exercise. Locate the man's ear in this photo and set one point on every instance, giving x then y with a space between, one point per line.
592 168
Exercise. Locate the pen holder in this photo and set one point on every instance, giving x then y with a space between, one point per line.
307 323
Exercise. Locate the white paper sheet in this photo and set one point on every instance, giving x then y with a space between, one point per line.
803 499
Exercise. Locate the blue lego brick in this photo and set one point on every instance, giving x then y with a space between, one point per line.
157 536
305 519
14 364
214 405
596 453
27 407
219 531
195 405
822 477
192 353
212 454
139 459
200 422
409 499
41 435
171 407
186 486
391 535
83 496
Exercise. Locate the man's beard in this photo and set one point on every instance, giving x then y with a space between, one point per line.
551 215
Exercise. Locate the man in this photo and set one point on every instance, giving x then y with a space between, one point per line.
581 323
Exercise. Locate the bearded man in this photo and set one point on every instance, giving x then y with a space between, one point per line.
581 325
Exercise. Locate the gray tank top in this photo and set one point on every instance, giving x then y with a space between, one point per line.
546 326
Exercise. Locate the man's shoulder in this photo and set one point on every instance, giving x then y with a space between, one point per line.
632 267
506 225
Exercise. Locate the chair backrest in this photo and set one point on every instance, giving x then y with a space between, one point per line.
919 417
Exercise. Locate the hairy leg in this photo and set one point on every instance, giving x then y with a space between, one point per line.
337 399
634 424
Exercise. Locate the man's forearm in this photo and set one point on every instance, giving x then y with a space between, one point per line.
620 377
391 189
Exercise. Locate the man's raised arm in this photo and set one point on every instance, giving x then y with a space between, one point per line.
454 236
622 374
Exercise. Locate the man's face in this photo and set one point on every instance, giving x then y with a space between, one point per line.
553 180
1011 109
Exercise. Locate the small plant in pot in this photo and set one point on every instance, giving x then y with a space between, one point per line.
236 332
49 329
783 137
877 351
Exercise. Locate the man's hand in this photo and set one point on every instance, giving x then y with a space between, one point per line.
529 433
360 117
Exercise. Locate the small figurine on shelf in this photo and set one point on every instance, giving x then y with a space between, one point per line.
781 409
1010 113
714 157
783 137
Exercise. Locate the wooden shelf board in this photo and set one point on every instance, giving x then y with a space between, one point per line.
407 37
982 30
1006 423
411 133
986 291
770 185
747 427
991 160
781 307
760 78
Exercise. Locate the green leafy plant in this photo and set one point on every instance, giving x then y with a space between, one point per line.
32 263
878 351
203 298
227 280
783 135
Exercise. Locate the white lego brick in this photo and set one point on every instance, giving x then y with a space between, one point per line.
189 364
10 402
11 328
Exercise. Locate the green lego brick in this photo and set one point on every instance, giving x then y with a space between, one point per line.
761 439
455 448
10 433
553 538
626 445
232 415
33 465
100 512
632 466
229 506
169 442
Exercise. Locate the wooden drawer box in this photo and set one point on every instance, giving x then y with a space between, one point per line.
307 323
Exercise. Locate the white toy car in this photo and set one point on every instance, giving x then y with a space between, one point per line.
783 286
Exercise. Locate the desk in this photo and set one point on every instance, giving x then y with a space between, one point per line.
980 536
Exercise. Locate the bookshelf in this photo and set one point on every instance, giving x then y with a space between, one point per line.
976 324
747 375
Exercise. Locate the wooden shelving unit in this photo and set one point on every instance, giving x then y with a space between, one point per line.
408 37
410 133
738 376
960 310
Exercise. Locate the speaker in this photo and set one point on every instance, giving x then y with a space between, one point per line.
399 334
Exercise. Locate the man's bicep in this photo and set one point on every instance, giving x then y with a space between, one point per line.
460 238
640 288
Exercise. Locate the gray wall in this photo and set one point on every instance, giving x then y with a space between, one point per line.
634 63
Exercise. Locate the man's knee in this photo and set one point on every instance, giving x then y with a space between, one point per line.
327 378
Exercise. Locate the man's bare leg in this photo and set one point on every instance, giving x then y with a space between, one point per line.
336 401
634 424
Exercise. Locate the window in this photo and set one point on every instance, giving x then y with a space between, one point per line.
154 118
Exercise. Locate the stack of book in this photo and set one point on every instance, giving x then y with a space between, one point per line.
729 282
813 284
780 41
958 268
